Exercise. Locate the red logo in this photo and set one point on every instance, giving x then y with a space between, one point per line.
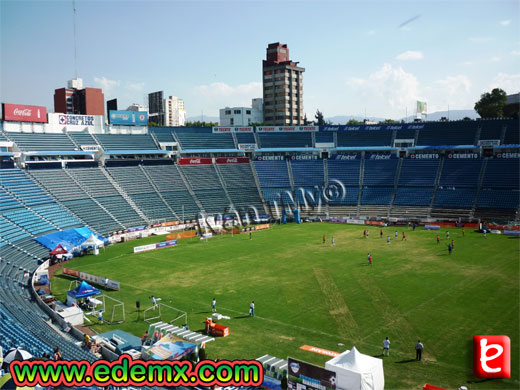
491 356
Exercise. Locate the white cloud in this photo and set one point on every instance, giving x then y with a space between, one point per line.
135 86
505 22
388 90
515 52
223 94
467 63
410 55
508 82
495 59
106 85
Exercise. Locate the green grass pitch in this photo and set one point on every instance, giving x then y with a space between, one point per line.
310 293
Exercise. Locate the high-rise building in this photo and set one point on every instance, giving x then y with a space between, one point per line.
156 107
282 87
78 100
175 114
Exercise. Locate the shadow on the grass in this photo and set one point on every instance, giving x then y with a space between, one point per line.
408 361
238 317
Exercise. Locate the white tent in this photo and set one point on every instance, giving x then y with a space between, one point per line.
355 370
94 242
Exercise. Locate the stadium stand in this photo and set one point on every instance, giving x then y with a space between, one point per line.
206 185
240 185
246 138
74 198
83 138
364 138
203 141
460 173
133 180
126 142
418 173
448 133
285 140
168 181
32 142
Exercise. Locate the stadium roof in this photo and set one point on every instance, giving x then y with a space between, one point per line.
444 147
361 148
212 151
506 146
136 151
289 149
6 154
60 153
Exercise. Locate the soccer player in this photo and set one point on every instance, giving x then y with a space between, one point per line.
154 302
252 309
386 347
369 259
463 232
381 233
388 239
332 242
447 235
438 239
450 248
367 233
214 305
453 244
324 239
395 234
404 237
418 350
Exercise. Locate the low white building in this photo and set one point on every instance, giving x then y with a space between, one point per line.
242 116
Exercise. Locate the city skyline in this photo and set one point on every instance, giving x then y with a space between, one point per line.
371 56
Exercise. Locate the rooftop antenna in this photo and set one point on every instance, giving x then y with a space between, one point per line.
75 51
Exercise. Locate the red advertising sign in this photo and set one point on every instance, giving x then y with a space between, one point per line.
195 161
22 113
232 160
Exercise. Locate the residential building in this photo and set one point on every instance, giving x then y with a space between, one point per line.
175 114
156 107
242 116
78 100
282 87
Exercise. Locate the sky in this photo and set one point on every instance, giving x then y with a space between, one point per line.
377 57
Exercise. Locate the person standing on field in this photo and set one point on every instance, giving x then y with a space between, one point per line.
252 309
418 350
386 347
214 305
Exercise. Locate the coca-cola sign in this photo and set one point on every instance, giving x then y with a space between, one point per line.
23 113
195 161
232 160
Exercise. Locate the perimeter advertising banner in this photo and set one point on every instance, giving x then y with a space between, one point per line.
92 278
128 118
271 129
304 376
23 113
151 247
232 160
411 126
232 129
195 161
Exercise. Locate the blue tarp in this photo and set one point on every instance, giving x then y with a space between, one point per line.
68 239
83 290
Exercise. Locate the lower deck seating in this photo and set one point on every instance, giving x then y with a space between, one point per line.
455 197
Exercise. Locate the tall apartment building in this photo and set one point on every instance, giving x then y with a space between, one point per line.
175 114
282 87
156 107
78 100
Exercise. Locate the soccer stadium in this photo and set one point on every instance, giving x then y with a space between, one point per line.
158 224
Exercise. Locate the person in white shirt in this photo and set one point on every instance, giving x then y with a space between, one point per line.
214 305
386 347
252 309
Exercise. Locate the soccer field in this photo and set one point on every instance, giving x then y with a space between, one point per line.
306 292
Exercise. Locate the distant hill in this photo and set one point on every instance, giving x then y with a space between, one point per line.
435 116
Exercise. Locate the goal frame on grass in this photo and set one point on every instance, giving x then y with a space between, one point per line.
116 305
180 314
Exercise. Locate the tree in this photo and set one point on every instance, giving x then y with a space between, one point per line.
320 121
491 105
390 121
354 122
153 124
200 124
